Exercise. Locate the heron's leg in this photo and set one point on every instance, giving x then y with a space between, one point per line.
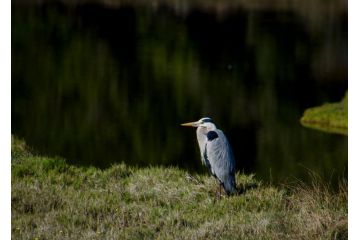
219 193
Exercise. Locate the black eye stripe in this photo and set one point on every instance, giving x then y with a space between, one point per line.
206 120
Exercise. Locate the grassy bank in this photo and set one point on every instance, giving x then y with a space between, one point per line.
330 117
54 200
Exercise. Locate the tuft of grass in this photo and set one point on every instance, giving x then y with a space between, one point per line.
54 200
330 117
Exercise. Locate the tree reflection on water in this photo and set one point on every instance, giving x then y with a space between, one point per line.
99 85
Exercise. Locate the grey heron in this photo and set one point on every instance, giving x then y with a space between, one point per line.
216 153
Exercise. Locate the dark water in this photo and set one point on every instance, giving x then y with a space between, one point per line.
100 85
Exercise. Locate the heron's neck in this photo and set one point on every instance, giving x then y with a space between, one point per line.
211 127
201 138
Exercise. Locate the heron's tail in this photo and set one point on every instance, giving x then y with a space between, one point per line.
230 187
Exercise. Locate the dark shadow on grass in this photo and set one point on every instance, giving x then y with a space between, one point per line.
243 188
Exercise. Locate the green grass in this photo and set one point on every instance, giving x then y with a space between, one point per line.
330 117
54 200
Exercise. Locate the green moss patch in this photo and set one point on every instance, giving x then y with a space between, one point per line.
330 117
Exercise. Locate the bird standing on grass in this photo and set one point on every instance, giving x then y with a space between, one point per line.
216 153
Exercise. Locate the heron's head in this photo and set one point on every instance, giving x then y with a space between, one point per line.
205 123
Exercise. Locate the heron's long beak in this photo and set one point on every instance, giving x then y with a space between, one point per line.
190 124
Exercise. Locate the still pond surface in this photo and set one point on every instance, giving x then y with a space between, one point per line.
100 85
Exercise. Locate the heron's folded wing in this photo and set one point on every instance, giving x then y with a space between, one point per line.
219 154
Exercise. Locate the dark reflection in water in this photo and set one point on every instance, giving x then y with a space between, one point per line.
98 85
